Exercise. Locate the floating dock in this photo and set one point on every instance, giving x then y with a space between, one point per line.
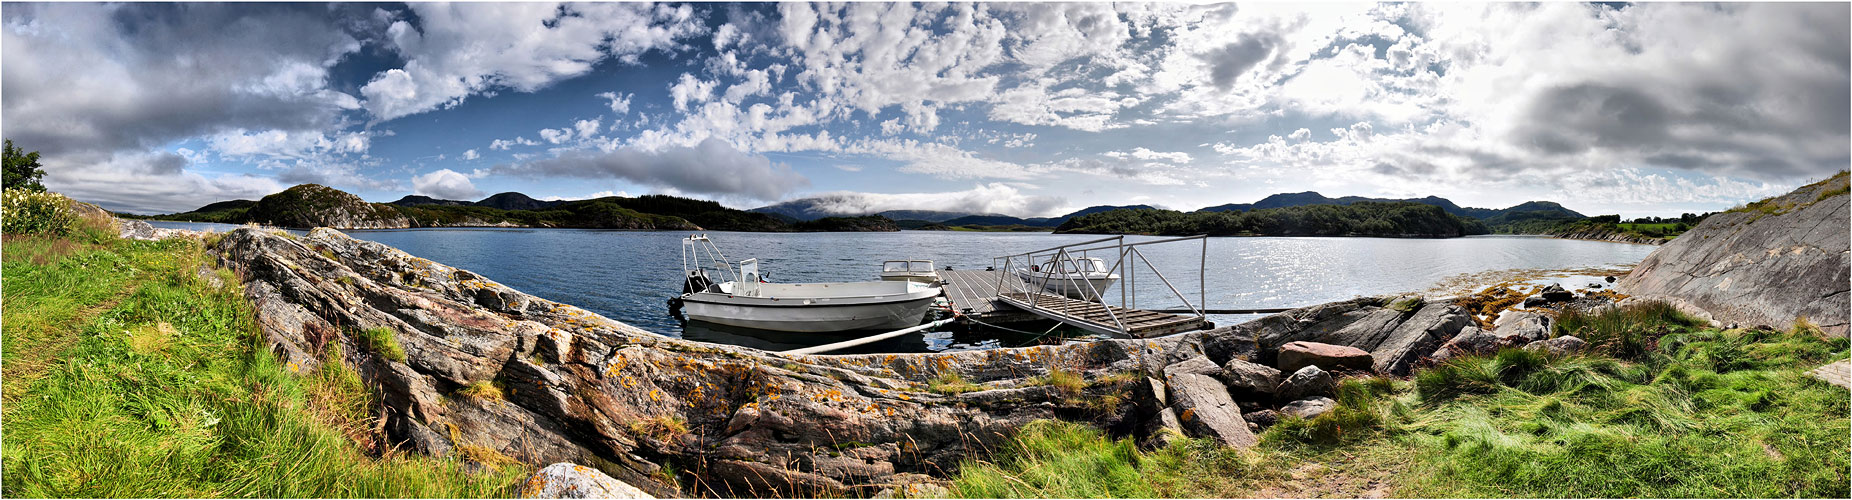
1104 318
974 294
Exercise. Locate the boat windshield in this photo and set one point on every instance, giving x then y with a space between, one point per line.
917 266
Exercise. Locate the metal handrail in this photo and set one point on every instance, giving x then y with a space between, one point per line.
1061 256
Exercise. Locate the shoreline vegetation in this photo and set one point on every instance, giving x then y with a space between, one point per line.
136 369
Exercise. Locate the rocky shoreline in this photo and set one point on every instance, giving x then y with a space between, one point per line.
734 421
1609 236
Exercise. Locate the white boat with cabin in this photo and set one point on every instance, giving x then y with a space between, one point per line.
746 300
909 270
1081 278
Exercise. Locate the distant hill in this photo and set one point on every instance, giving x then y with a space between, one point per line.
1534 209
925 215
1390 219
226 205
413 200
516 201
1005 220
311 205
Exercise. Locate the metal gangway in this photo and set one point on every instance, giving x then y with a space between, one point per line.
1063 293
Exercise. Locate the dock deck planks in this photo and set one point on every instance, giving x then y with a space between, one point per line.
1097 317
976 291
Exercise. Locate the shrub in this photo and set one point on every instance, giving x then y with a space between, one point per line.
36 212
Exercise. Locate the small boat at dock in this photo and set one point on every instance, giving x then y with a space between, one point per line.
1081 278
746 300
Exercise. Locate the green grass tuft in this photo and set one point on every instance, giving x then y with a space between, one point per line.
951 383
382 341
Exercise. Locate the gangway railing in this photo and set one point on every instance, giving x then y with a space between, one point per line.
1070 265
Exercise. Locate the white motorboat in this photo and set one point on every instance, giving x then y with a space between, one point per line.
909 270
746 300
1081 278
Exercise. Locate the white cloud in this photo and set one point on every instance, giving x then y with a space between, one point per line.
555 135
992 198
459 50
445 184
711 167
471 155
619 103
601 194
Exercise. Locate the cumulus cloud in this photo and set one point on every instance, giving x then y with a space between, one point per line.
471 155
458 50
992 198
445 184
711 167
79 88
161 184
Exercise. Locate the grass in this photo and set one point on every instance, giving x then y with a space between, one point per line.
383 341
1068 381
661 427
481 390
951 383
1662 408
127 375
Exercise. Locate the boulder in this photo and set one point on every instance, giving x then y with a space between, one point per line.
1262 418
1533 302
1307 382
1770 263
135 229
1250 380
1559 346
1418 337
1161 430
1310 407
1527 325
1324 323
1205 409
1296 355
564 480
1555 293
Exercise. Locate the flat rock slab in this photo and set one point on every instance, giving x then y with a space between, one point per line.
1296 355
1205 409
1839 374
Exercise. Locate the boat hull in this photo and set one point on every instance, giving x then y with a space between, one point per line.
794 316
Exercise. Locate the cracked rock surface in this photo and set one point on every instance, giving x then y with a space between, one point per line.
1784 259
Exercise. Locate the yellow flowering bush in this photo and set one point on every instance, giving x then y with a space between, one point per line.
34 212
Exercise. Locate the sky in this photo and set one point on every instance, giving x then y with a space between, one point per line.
1018 108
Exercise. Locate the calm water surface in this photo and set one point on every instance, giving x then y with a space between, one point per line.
628 275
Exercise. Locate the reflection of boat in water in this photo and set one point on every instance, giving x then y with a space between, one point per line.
909 270
1080 278
746 300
